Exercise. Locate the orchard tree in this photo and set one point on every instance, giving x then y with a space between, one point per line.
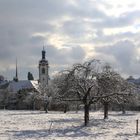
112 88
79 84
44 95
130 101
88 83
127 97
59 100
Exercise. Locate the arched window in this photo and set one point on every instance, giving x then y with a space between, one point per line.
43 70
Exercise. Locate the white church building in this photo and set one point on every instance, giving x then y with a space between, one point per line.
22 94
16 84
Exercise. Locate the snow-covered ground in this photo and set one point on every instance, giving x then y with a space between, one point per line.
36 125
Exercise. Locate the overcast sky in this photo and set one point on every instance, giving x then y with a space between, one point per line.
72 31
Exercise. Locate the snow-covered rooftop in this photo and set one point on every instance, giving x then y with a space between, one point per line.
23 84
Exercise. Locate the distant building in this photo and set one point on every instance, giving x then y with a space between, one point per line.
133 80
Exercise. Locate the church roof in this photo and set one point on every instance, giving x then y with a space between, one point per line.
4 84
22 84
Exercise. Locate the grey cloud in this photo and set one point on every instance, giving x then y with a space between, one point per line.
21 20
87 9
122 55
74 28
66 56
77 53
125 19
37 39
102 38
123 51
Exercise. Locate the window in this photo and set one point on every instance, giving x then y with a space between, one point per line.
43 70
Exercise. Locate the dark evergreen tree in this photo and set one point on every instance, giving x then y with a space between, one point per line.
30 76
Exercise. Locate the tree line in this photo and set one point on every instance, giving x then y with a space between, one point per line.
91 84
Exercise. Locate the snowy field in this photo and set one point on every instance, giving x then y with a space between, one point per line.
36 125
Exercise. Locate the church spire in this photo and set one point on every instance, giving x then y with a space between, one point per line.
43 53
16 77
16 70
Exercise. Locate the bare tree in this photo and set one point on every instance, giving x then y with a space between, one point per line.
44 96
129 92
58 103
79 84
112 88
88 83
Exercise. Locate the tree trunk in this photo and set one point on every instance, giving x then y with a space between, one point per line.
65 108
77 108
105 110
86 115
33 105
123 109
46 107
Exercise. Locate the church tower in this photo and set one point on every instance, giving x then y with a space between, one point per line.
43 69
